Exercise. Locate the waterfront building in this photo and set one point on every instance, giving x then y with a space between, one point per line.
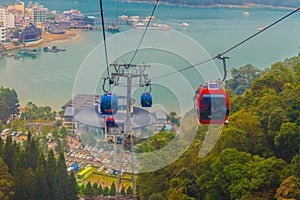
2 33
29 34
3 16
29 15
19 6
39 14
3 23
72 15
11 20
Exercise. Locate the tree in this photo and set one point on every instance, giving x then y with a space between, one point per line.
1 126
72 187
105 191
9 104
6 183
172 117
237 175
28 182
88 190
242 78
100 190
112 191
63 131
95 189
19 179
295 165
250 136
129 190
40 187
62 177
50 172
289 189
287 141
123 191
9 153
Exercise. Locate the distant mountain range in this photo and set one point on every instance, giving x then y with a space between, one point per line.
277 3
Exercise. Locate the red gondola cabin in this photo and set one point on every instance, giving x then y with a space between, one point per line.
212 104
110 122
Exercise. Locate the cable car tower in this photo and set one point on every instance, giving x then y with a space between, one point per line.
128 72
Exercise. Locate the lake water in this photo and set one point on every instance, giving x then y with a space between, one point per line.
49 78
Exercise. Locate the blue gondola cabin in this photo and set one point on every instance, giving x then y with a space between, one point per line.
108 104
146 100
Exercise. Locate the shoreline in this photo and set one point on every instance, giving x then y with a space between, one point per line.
248 5
48 38
68 35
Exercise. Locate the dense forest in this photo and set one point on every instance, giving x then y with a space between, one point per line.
257 156
287 3
26 173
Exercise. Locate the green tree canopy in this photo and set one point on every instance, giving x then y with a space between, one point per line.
9 104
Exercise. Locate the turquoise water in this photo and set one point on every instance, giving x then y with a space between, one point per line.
49 78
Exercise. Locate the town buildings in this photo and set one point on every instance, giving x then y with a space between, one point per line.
3 23
21 23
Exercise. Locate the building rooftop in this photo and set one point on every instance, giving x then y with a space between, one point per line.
69 112
160 114
81 101
139 118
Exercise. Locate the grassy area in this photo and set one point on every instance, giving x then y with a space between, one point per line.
106 179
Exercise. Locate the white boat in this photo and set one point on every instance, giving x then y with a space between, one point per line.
139 24
184 24
135 18
260 28
123 17
246 13
148 18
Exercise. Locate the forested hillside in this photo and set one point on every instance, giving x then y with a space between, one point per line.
257 156
25 173
288 3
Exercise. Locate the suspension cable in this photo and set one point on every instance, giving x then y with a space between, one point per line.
264 29
183 69
151 16
104 38
230 49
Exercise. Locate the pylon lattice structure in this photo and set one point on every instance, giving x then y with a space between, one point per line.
125 161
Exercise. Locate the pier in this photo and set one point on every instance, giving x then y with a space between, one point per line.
88 27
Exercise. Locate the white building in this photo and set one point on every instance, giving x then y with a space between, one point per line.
36 13
3 23
11 20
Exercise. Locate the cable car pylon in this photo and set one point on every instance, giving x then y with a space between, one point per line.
128 72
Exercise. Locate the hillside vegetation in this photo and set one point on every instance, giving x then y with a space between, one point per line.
257 156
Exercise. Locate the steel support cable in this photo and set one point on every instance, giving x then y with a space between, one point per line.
104 38
166 19
219 56
254 35
141 40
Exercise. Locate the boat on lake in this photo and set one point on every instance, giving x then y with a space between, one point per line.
55 48
246 13
28 52
184 24
260 28
48 49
